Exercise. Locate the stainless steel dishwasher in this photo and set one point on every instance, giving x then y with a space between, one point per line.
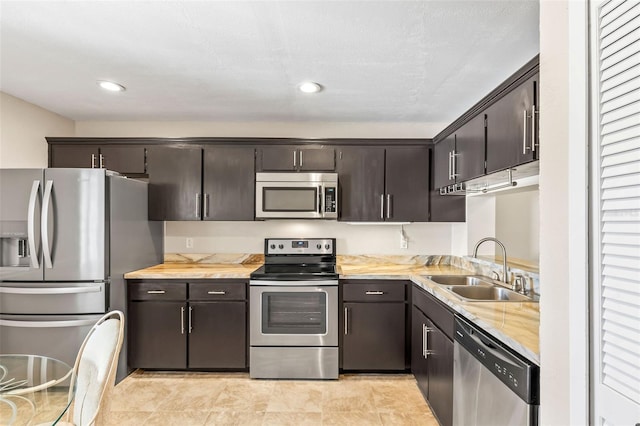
491 384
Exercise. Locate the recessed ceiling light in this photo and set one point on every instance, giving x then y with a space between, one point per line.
309 87
111 86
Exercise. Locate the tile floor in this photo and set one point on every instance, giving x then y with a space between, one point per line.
158 398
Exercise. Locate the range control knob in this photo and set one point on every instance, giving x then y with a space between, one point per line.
280 246
327 246
272 246
318 246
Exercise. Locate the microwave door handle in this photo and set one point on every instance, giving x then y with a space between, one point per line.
320 196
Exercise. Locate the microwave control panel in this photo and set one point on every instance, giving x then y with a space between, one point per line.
330 199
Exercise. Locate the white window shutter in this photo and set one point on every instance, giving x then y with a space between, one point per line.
616 195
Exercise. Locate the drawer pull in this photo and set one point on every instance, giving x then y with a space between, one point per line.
216 292
156 292
374 293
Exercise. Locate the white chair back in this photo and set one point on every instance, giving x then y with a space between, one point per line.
95 368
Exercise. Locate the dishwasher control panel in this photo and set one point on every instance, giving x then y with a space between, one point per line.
519 374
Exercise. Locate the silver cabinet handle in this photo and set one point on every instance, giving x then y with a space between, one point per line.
374 293
294 158
198 206
156 292
381 206
101 161
533 128
427 352
524 131
190 314
450 152
388 206
300 158
454 173
93 161
424 342
31 232
44 224
217 292
346 321
206 205
182 320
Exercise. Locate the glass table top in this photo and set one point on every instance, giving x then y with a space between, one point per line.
33 389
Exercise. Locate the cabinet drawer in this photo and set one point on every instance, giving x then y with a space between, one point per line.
374 292
441 316
217 291
157 291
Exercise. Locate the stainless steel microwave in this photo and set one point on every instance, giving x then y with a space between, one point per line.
296 195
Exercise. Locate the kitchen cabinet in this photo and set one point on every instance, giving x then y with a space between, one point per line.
296 158
383 184
432 329
442 152
125 159
192 183
512 127
196 325
373 324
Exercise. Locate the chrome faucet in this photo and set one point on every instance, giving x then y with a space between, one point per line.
505 278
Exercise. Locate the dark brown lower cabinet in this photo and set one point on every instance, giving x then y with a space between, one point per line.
195 325
432 353
374 336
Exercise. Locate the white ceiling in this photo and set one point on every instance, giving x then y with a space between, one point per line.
379 61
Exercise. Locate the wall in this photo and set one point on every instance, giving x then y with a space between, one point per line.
257 129
248 237
563 214
23 127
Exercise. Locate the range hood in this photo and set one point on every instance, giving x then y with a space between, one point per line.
520 176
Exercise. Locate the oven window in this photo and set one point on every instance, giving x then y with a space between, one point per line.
294 313
275 199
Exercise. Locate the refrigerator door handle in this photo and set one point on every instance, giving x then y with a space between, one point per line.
46 203
57 290
47 324
31 233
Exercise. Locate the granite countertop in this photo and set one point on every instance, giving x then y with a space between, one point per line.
514 323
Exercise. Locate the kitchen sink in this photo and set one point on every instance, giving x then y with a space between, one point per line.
460 280
488 294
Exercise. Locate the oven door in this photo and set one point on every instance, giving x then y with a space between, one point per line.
304 315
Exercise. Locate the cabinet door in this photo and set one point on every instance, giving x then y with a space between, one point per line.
228 183
442 162
174 183
470 149
374 336
509 130
73 156
361 183
125 159
278 159
407 184
157 338
418 359
440 372
217 335
317 159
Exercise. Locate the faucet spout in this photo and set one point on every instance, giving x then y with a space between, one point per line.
505 278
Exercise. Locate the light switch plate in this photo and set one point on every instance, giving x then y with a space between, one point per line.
189 243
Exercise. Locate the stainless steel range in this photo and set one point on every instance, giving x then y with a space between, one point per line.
294 311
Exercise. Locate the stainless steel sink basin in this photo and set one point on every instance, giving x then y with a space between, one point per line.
488 294
460 280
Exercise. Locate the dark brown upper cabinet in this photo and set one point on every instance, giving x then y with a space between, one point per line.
468 157
296 158
175 187
125 159
383 184
442 152
192 183
512 127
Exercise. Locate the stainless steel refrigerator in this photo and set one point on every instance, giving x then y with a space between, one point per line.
67 236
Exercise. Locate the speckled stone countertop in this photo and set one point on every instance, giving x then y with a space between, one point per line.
514 323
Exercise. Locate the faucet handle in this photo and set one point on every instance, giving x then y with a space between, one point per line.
520 284
495 275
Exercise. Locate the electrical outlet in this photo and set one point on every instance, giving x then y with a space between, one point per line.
404 241
189 242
